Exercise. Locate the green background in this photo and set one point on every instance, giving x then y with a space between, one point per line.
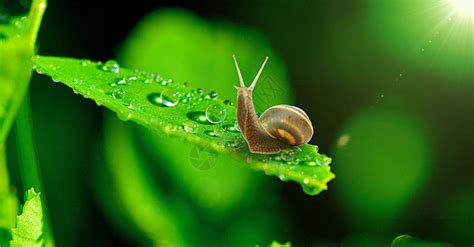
388 85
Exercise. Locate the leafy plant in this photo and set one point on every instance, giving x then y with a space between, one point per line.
29 227
17 41
162 105
157 104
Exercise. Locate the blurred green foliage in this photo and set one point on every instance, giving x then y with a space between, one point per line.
341 56
383 161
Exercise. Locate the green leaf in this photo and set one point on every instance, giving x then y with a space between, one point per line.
17 40
151 101
29 225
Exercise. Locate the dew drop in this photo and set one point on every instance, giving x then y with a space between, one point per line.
212 95
110 66
77 81
85 62
287 155
228 102
211 133
310 190
190 127
121 81
166 82
118 93
231 128
216 113
308 163
130 79
326 161
198 117
54 67
283 178
165 98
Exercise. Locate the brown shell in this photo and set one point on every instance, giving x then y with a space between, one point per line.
288 123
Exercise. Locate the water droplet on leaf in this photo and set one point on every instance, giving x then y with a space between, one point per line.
212 95
231 128
310 190
211 133
110 66
85 62
190 127
216 113
198 116
165 98
118 93
228 102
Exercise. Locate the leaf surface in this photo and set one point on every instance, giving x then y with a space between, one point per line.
29 226
180 111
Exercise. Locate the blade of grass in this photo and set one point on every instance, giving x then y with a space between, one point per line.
4 178
29 169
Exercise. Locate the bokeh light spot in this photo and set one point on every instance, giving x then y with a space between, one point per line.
382 168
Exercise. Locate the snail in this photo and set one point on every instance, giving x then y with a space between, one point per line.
278 128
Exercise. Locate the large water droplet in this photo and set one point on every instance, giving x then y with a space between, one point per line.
111 66
310 190
216 113
231 128
198 116
309 163
165 98
212 133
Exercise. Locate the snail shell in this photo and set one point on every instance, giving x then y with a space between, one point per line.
288 123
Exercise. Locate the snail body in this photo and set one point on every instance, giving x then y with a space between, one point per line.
278 128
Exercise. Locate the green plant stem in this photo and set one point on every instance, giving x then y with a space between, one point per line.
38 7
29 170
23 51
4 179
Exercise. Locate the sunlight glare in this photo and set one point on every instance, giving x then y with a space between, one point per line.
464 8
